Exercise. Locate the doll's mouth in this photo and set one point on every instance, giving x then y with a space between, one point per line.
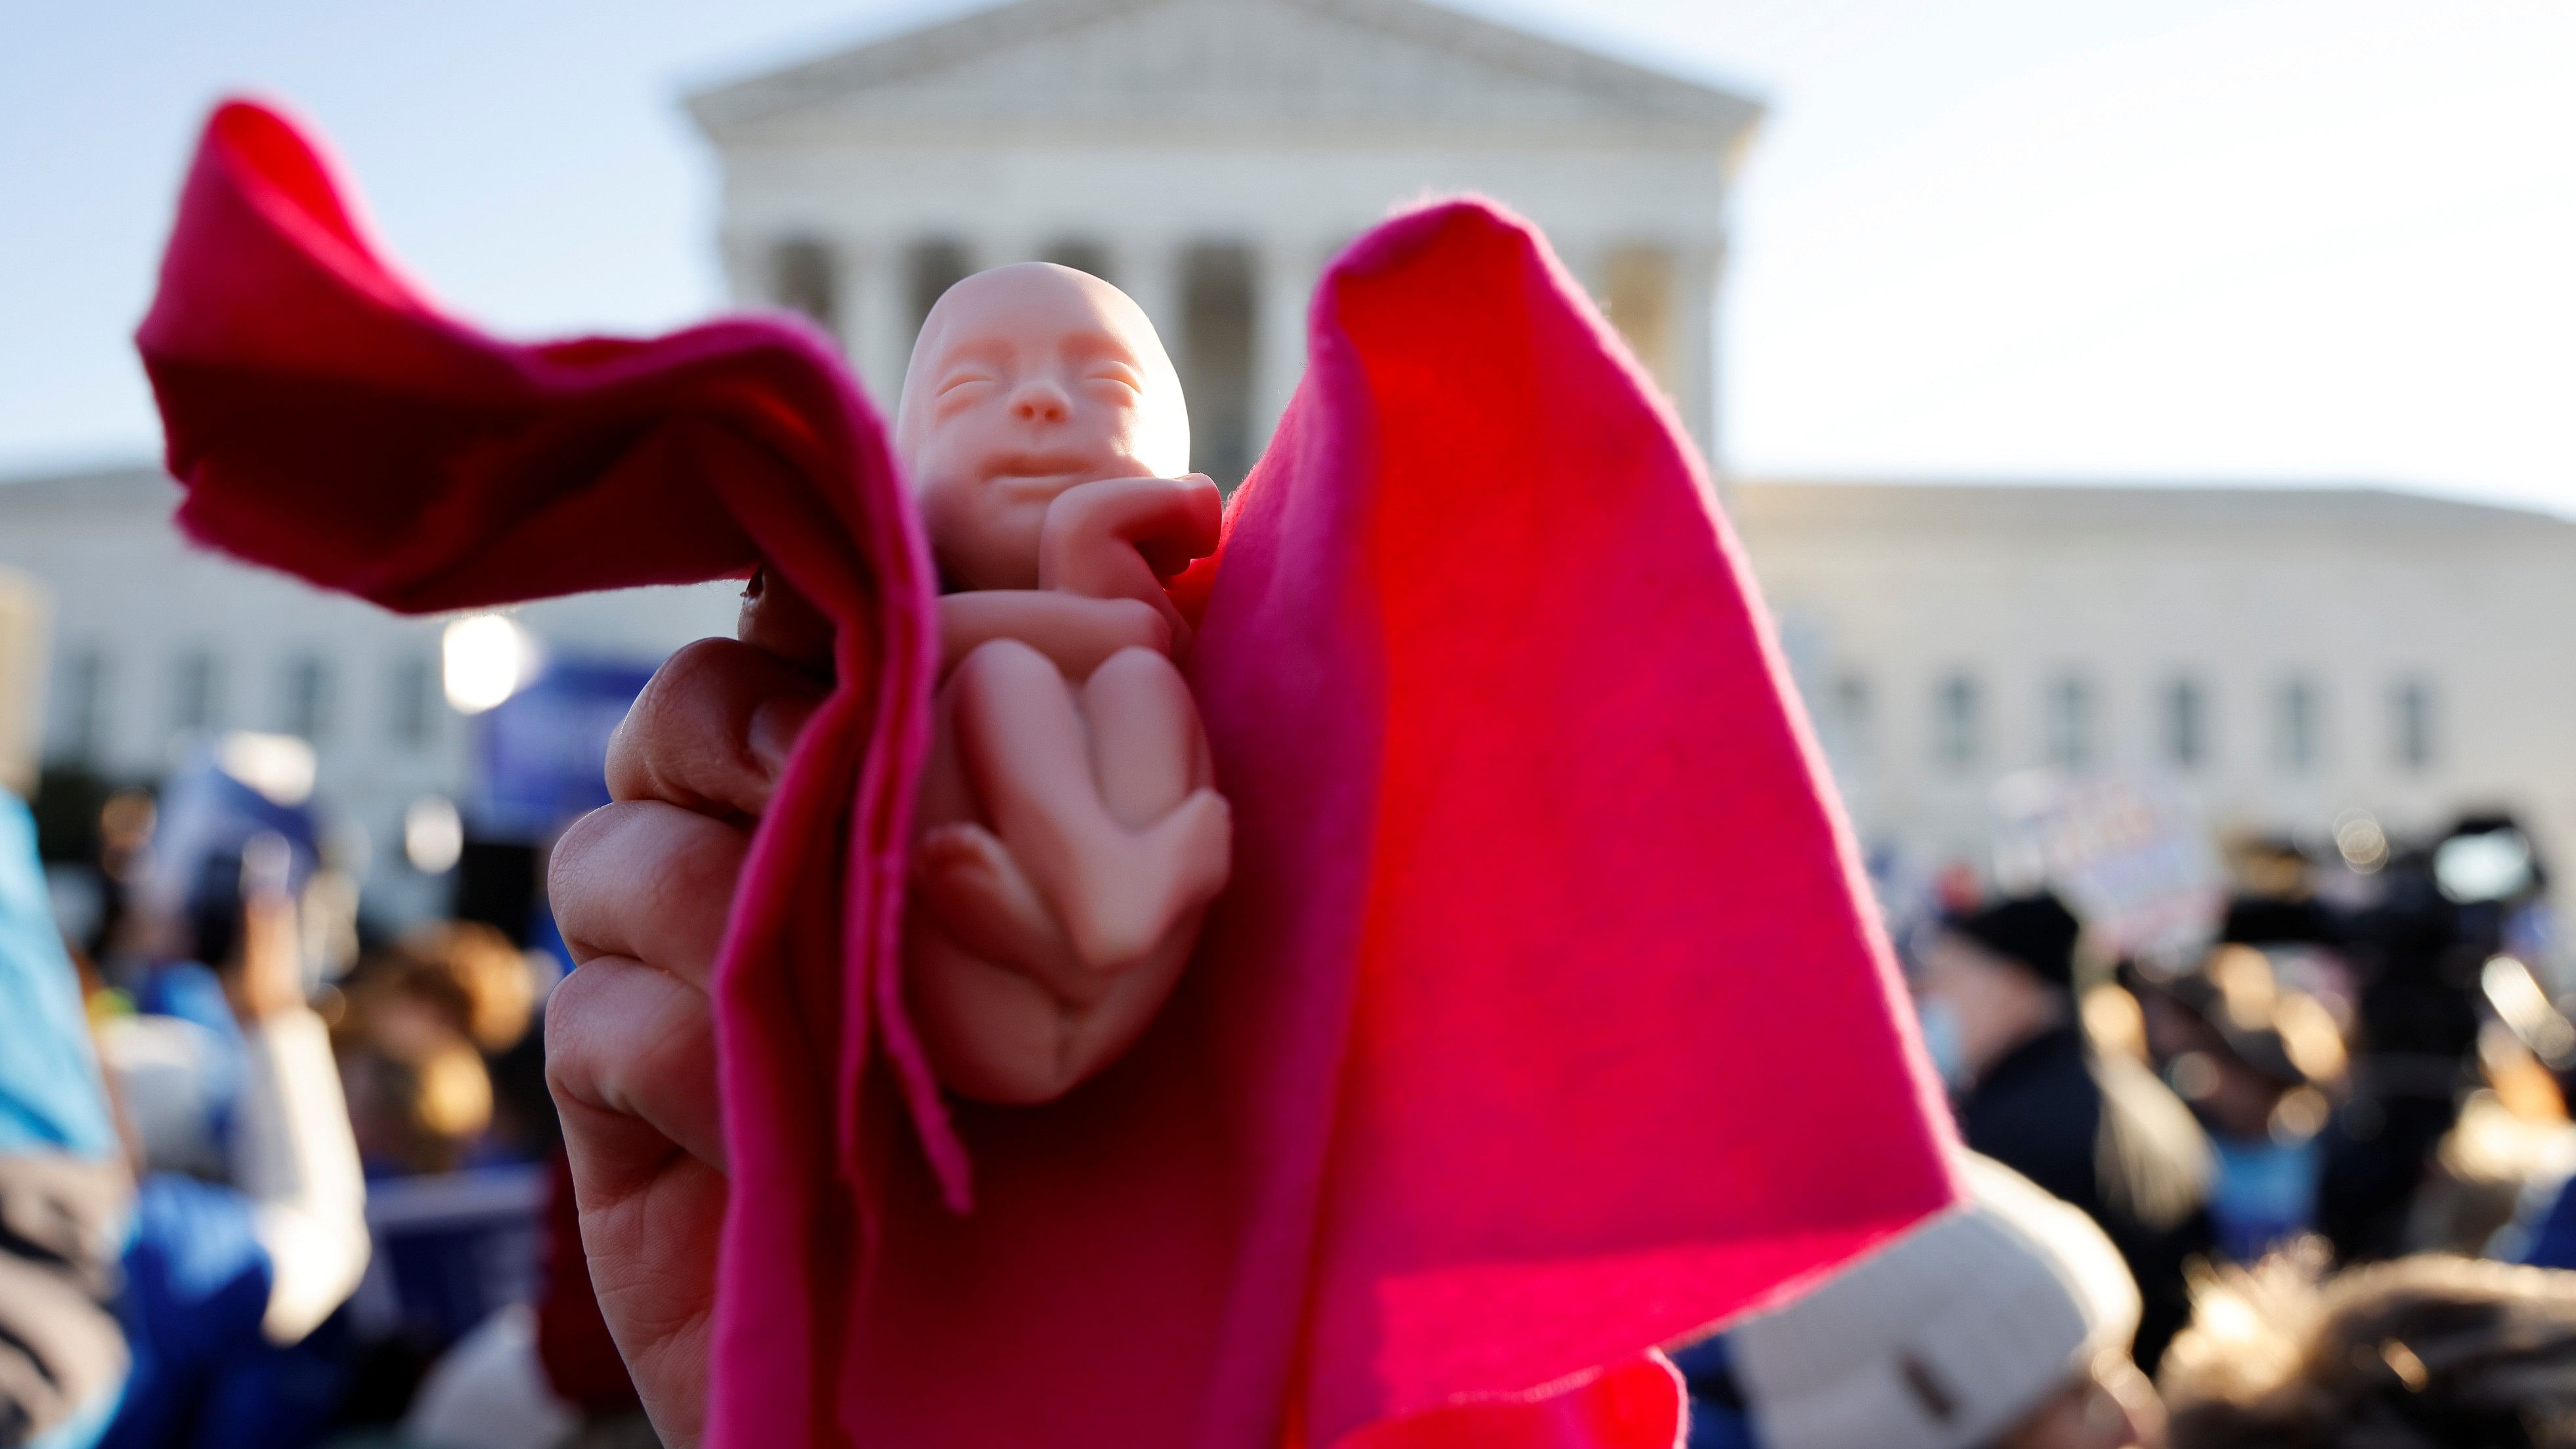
1053 472
1041 465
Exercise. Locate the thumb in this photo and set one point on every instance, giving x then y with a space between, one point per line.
778 620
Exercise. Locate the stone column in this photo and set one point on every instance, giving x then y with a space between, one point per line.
876 333
746 273
1285 289
1589 261
1149 270
1701 267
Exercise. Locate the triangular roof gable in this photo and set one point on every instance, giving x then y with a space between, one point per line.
1149 66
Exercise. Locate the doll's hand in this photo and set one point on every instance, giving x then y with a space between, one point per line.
1119 538
641 889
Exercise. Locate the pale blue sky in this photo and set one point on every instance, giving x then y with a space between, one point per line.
2246 240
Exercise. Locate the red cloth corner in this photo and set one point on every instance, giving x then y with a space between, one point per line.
1545 1020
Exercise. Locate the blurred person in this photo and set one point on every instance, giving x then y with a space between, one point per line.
2002 1324
2412 1044
175 1061
534 1376
470 970
1996 990
65 1192
2259 1066
489 1391
2275 902
162 1310
419 1098
2431 1351
425 1023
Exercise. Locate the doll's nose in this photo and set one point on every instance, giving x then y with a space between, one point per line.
1040 402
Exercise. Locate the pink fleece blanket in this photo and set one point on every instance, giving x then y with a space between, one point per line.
1545 1020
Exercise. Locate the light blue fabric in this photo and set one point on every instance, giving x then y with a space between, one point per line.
50 1097
2265 1193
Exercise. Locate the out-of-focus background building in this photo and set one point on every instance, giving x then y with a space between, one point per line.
2283 658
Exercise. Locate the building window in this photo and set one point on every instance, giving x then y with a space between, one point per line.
196 691
308 697
1216 359
2411 709
414 702
930 269
1956 723
2070 722
2186 724
2301 726
81 725
1638 296
801 280
1851 715
1082 256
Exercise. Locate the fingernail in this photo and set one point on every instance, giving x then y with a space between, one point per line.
775 724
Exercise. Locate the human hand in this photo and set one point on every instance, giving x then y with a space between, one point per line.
271 978
641 889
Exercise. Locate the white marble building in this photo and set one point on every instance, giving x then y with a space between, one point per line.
1209 156
155 641
2284 656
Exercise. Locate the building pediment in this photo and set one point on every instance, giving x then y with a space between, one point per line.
1235 70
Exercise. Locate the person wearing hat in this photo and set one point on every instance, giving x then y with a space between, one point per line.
2001 1324
1996 989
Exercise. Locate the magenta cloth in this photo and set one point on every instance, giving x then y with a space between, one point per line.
1545 1020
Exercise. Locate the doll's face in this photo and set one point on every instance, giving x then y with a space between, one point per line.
1027 380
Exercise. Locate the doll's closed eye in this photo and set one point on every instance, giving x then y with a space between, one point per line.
1117 374
963 389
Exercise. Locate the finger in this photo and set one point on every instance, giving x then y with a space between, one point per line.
1170 521
780 621
649 1246
1199 524
631 1059
646 880
712 730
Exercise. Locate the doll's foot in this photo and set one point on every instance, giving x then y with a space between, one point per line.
965 877
1135 889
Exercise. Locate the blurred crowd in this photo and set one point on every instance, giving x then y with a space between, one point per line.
270 1175
2301 1181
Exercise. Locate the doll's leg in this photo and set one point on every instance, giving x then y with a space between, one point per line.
1118 888
1148 753
1147 748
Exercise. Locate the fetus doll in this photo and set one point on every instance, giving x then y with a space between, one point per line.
1068 841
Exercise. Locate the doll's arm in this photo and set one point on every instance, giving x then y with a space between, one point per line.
1077 633
1119 538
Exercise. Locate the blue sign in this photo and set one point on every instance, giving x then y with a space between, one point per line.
544 750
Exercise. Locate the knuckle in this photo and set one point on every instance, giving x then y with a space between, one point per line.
1143 625
656 722
569 1009
568 875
